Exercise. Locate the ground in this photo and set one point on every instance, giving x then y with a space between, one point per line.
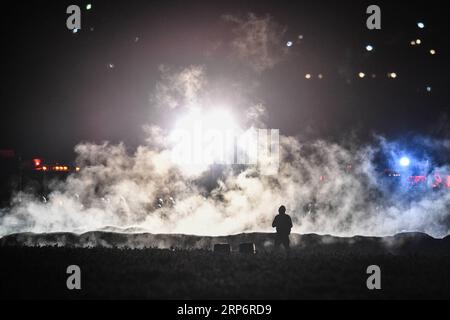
31 272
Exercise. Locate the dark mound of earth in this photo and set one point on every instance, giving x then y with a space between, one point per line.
408 243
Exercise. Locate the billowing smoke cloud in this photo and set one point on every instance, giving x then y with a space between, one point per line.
179 89
258 41
328 187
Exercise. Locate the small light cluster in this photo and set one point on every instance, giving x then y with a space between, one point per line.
38 166
309 76
392 75
61 168
418 41
290 43
363 75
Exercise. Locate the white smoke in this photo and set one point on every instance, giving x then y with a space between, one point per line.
180 88
146 190
258 41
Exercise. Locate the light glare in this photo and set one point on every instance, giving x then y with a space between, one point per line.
404 161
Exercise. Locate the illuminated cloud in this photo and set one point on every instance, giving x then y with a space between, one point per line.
258 41
255 115
145 189
179 88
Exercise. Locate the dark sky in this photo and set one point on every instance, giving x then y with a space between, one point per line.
58 89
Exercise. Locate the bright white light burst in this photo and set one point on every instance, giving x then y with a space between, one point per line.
218 119
201 138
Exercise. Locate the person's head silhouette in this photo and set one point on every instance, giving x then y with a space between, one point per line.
282 210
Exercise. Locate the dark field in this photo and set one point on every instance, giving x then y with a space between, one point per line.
320 271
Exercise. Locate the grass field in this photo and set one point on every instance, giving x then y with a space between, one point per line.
108 273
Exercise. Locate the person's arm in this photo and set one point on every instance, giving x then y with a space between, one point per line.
274 223
290 223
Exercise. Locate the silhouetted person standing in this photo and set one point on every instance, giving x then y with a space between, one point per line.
283 223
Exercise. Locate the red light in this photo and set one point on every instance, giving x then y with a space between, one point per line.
37 162
448 181
437 180
417 179
44 168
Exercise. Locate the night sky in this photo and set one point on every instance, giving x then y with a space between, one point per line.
60 88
